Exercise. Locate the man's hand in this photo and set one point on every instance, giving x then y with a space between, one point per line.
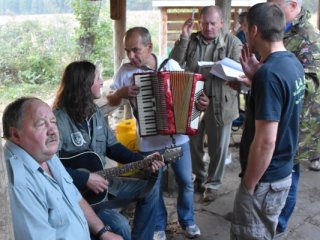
242 80
249 62
96 183
128 92
187 28
249 185
110 236
202 103
114 98
156 164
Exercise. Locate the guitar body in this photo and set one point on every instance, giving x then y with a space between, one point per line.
89 162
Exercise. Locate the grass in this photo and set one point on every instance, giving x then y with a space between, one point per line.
9 93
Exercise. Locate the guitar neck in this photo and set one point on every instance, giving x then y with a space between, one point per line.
116 171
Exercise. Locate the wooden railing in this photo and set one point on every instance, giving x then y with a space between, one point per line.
172 20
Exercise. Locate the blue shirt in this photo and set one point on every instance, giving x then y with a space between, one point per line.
43 207
276 95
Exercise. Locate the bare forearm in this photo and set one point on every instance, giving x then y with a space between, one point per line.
95 224
114 99
260 155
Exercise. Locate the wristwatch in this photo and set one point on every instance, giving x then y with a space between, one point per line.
106 228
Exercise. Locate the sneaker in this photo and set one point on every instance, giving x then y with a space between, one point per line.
210 195
192 231
315 165
159 235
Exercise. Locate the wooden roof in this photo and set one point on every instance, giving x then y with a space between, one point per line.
172 3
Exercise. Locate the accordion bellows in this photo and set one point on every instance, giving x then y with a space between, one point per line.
165 103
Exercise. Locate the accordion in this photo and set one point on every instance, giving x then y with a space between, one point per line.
165 102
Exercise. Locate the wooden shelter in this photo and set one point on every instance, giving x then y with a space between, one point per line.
174 14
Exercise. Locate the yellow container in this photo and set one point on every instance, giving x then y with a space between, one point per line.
126 135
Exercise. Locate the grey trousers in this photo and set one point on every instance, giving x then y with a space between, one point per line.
218 145
255 217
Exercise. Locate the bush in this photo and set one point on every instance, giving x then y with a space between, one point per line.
34 53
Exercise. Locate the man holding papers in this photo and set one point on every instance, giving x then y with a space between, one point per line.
210 44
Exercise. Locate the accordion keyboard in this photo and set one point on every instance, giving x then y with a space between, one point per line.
146 105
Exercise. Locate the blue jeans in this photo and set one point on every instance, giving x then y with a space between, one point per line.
291 200
124 189
183 174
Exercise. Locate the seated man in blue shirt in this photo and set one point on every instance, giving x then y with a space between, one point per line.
44 202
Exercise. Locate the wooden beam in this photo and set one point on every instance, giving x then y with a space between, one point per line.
173 36
115 10
6 228
225 6
181 16
177 26
119 27
164 32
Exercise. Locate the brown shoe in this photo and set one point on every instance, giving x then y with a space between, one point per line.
210 195
198 186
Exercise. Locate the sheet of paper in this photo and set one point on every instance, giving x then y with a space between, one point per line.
205 63
227 69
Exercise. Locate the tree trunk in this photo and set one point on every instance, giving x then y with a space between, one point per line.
225 6
6 229
88 21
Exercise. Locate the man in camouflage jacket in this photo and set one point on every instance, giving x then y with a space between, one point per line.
302 39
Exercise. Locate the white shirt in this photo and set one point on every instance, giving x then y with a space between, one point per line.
123 78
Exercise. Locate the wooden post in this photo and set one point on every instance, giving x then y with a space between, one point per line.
6 228
225 6
118 14
164 32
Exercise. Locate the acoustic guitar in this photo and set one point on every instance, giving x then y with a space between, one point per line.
90 161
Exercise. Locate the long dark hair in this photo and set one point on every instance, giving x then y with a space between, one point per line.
74 93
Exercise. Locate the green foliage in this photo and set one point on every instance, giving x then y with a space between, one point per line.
34 53
94 33
10 92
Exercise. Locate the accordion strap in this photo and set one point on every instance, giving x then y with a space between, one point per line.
173 140
164 62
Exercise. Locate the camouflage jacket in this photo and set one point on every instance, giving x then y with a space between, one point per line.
304 41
